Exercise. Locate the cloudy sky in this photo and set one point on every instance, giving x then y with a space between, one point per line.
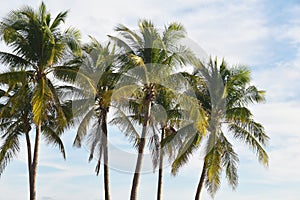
263 34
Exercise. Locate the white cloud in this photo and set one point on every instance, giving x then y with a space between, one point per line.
280 81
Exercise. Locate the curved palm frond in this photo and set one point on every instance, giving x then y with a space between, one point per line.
52 137
187 148
9 149
246 137
127 126
82 128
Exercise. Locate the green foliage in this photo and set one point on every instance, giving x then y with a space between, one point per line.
225 94
239 120
38 48
140 68
9 149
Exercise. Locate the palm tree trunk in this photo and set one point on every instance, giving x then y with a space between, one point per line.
201 182
138 167
160 170
35 162
106 169
29 160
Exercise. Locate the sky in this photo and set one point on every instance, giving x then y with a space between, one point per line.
262 34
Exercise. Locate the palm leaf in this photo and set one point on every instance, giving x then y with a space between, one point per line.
52 137
9 149
120 43
243 135
13 60
58 19
124 123
41 96
82 128
60 115
185 151
213 170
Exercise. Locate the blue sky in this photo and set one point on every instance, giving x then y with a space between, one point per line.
265 35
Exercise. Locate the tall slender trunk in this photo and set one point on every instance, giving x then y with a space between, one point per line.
201 181
138 167
35 162
160 170
29 161
106 169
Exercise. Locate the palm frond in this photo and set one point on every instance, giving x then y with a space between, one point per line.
120 43
185 151
72 38
58 19
133 38
13 60
173 33
230 162
41 96
52 137
74 75
95 139
246 137
124 92
60 115
82 128
9 149
213 170
12 78
241 114
125 124
154 146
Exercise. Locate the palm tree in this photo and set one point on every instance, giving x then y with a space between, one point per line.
164 118
235 115
38 48
167 123
99 67
188 136
152 56
15 117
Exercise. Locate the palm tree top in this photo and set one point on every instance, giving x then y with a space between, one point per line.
35 37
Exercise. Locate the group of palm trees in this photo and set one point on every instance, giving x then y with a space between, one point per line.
51 82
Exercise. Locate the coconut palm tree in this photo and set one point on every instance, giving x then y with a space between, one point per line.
187 139
17 120
98 64
153 56
39 48
167 123
15 117
164 118
235 116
